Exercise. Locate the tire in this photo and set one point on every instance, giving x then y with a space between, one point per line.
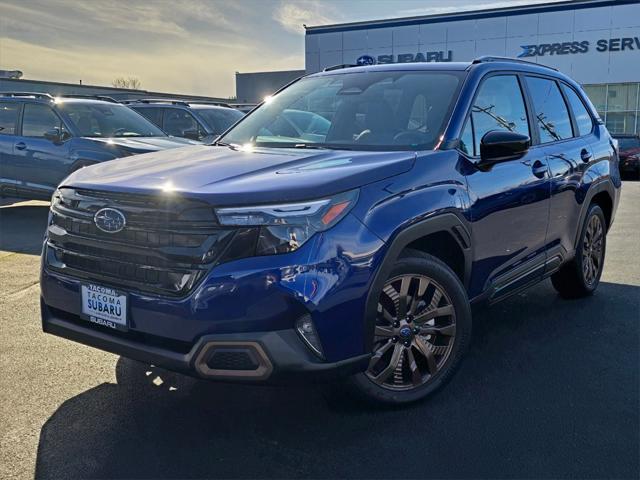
440 325
581 276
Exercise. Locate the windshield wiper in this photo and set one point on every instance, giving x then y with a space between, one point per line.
315 146
309 145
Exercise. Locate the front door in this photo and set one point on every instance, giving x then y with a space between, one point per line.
41 163
510 200
8 129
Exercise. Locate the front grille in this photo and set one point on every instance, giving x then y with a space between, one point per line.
167 246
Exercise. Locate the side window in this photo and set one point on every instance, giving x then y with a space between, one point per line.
154 115
466 140
8 118
38 119
177 122
499 105
583 119
551 112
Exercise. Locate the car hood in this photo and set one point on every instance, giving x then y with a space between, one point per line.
144 144
228 176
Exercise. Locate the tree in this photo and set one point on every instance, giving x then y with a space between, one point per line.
130 82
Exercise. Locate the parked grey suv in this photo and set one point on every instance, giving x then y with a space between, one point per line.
202 121
43 139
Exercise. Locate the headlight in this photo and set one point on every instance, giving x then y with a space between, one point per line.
285 227
56 198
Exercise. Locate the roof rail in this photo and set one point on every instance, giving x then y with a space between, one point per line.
338 67
43 96
490 58
210 102
104 98
157 100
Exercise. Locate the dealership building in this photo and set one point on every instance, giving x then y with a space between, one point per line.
596 42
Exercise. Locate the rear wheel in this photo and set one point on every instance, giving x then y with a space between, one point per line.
581 276
423 326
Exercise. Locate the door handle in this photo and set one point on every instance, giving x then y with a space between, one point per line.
585 155
21 146
539 169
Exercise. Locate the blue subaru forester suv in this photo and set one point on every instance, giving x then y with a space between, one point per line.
351 245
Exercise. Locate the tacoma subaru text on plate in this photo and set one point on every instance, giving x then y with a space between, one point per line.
341 230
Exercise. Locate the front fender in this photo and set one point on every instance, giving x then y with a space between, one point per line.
430 198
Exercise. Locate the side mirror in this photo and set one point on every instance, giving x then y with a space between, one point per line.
191 134
53 135
501 145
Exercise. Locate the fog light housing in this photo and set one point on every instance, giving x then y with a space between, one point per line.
307 331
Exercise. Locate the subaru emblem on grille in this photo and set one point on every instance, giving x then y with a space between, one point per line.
109 220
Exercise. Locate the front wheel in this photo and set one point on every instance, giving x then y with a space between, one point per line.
581 276
423 326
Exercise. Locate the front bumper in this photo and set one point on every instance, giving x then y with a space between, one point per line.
246 308
274 357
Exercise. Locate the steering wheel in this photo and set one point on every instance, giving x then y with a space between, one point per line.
409 137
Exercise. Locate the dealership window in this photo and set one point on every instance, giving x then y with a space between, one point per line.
8 117
598 96
39 119
499 106
621 122
618 104
622 97
552 115
583 119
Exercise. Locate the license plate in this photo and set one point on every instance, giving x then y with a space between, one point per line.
104 306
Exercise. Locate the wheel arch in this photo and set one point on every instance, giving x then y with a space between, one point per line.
445 236
603 194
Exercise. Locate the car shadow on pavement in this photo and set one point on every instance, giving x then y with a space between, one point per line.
22 227
549 389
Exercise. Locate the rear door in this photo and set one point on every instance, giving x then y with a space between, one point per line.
564 129
510 199
41 164
9 112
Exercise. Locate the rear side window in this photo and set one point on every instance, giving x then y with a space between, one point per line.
583 119
499 105
38 119
8 118
178 122
154 115
552 116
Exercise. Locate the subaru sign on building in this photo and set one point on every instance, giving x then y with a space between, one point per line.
597 42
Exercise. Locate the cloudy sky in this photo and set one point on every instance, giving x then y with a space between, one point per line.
180 46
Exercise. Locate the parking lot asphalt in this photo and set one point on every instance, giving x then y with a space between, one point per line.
549 389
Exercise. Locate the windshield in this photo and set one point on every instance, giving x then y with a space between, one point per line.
108 120
393 110
219 119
